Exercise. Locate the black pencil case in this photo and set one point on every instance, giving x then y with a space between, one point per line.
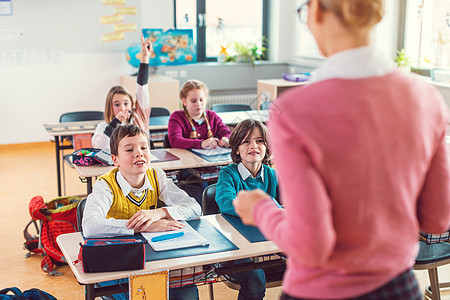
108 255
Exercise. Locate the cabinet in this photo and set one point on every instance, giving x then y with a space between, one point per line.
270 89
164 91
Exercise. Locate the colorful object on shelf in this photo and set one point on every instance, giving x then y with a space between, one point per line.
133 55
171 47
296 77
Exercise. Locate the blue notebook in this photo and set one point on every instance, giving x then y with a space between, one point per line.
214 158
251 233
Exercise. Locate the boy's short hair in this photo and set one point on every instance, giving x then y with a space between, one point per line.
122 131
241 131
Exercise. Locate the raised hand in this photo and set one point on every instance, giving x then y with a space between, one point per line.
146 50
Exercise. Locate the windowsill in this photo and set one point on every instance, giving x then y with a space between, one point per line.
436 83
226 64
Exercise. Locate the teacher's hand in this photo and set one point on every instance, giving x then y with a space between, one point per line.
245 203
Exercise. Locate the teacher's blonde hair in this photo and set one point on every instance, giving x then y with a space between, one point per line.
356 14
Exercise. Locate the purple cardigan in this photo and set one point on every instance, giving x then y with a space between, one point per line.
180 130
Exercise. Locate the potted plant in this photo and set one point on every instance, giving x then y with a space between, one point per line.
403 61
245 53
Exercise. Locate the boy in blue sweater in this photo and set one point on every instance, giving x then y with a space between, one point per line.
250 151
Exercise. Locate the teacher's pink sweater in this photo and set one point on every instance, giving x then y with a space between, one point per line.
362 166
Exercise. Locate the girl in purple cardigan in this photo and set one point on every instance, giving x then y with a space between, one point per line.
193 127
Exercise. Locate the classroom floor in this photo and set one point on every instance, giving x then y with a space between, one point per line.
28 170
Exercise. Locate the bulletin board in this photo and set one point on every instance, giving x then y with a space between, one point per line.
66 25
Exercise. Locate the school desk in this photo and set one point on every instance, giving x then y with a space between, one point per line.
70 246
57 130
187 160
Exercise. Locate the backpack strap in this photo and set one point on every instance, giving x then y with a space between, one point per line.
18 295
37 294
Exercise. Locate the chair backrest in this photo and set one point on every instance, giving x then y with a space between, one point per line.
80 211
230 107
209 204
159 112
81 116
166 142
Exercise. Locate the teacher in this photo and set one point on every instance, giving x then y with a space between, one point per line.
362 165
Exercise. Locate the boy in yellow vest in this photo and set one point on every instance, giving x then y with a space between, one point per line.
135 197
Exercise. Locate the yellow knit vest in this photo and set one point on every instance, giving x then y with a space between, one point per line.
124 207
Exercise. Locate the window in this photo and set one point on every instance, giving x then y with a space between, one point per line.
382 36
219 23
427 33
305 46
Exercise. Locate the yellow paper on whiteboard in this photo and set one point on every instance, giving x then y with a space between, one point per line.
111 19
113 2
149 286
124 27
116 36
125 10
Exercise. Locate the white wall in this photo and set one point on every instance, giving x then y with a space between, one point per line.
31 95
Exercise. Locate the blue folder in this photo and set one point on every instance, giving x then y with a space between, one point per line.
251 233
217 243
214 158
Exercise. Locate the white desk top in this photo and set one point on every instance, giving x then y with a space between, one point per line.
69 245
186 160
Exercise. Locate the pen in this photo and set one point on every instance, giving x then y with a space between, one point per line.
276 202
169 236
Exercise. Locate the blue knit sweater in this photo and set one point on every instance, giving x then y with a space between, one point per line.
230 183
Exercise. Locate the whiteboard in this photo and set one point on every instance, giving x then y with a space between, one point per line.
66 25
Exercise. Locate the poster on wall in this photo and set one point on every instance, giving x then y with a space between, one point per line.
5 8
171 47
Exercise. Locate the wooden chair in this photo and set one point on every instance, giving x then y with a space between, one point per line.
166 142
430 257
80 211
230 107
159 112
76 116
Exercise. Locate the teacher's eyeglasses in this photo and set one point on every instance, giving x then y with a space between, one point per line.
302 11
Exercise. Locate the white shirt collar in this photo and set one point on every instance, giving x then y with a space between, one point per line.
354 63
200 121
127 188
245 173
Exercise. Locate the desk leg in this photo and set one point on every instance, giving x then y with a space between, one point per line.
89 292
89 185
211 291
58 165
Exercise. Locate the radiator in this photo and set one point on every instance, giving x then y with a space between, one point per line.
250 99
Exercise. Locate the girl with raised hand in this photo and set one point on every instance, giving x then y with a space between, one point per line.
121 108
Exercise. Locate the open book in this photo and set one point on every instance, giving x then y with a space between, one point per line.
190 238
